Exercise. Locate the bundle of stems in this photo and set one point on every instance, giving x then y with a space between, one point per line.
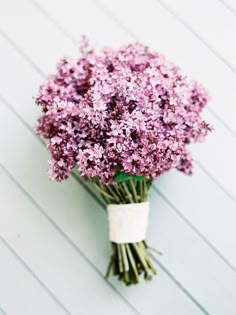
129 261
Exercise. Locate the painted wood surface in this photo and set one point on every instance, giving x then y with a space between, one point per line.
54 244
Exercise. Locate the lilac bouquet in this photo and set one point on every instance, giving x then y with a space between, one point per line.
122 117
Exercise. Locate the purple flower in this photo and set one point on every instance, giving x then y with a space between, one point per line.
120 110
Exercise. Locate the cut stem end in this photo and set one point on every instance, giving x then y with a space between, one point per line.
130 262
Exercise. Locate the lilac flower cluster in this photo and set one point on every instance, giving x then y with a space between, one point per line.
126 110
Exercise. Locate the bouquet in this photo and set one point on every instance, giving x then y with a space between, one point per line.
122 117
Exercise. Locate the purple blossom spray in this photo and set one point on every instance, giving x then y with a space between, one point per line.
121 117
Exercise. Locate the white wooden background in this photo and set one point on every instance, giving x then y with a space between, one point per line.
53 237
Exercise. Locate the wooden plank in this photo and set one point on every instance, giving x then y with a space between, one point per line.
216 27
191 260
2 312
37 43
97 30
41 28
17 282
206 208
230 5
62 269
217 155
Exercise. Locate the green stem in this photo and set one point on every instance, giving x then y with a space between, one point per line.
119 193
112 193
134 190
127 193
122 191
132 263
144 189
115 260
140 256
148 260
141 190
124 256
109 267
120 258
103 192
152 248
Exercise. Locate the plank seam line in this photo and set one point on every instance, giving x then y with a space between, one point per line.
196 34
26 267
67 239
2 310
60 27
213 248
21 53
179 285
213 178
134 37
222 121
228 6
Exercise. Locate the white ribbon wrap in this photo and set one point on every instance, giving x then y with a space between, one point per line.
128 222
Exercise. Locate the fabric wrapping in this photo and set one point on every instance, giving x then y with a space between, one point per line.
128 222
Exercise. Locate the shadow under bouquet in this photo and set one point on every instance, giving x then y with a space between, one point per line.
122 117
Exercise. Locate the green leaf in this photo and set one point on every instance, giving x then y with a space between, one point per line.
149 182
137 177
121 177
